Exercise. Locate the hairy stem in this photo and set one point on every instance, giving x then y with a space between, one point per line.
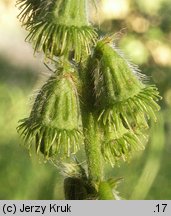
93 148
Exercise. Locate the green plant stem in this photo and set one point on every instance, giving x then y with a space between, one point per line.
94 157
93 148
91 129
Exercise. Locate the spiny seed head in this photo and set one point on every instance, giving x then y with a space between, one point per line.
59 28
117 87
123 102
55 121
120 144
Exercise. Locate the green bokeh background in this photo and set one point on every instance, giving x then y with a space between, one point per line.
144 35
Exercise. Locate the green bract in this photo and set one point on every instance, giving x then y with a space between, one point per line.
107 189
55 122
58 27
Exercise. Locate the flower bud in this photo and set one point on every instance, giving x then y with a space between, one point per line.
55 122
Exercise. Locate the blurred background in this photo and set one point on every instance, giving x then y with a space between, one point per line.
143 29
